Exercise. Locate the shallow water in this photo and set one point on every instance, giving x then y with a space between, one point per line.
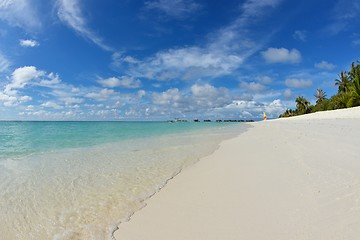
71 180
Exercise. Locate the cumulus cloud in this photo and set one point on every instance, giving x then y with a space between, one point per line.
288 93
25 98
72 100
298 83
254 109
20 13
170 97
70 13
325 65
252 86
275 108
28 43
30 108
7 99
141 93
300 35
174 8
124 81
206 95
29 78
202 98
100 96
51 80
264 79
281 55
20 78
51 104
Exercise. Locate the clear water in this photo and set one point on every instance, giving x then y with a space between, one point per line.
79 180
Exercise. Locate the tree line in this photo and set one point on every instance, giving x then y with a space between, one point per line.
348 95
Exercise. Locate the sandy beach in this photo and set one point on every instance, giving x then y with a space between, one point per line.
296 178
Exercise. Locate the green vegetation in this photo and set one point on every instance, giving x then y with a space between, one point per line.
348 95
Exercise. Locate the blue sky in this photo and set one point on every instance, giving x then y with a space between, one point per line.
166 59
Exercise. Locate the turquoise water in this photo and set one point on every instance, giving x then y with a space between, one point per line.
22 138
79 180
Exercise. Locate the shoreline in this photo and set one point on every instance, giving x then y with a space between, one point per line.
84 192
292 178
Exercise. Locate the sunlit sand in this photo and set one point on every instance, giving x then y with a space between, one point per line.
295 178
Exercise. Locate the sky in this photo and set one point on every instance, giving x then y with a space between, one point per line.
167 59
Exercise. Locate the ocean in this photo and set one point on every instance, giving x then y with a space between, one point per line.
80 180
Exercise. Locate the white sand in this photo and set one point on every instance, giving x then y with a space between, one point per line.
286 179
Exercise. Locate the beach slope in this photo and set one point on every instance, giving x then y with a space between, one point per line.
296 178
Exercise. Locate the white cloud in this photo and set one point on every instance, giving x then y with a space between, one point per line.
325 65
7 99
51 80
20 13
281 55
4 63
203 91
288 93
255 8
124 81
141 93
253 86
298 83
206 96
255 109
224 51
264 79
25 74
72 100
25 98
344 19
245 115
300 35
130 59
69 12
20 78
100 96
275 108
188 64
169 97
174 8
29 78
51 104
28 43
30 108
202 98
198 58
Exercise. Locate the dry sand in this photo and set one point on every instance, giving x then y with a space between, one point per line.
296 178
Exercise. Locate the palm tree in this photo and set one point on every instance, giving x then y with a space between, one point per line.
355 92
289 113
353 86
302 105
354 71
343 82
320 95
